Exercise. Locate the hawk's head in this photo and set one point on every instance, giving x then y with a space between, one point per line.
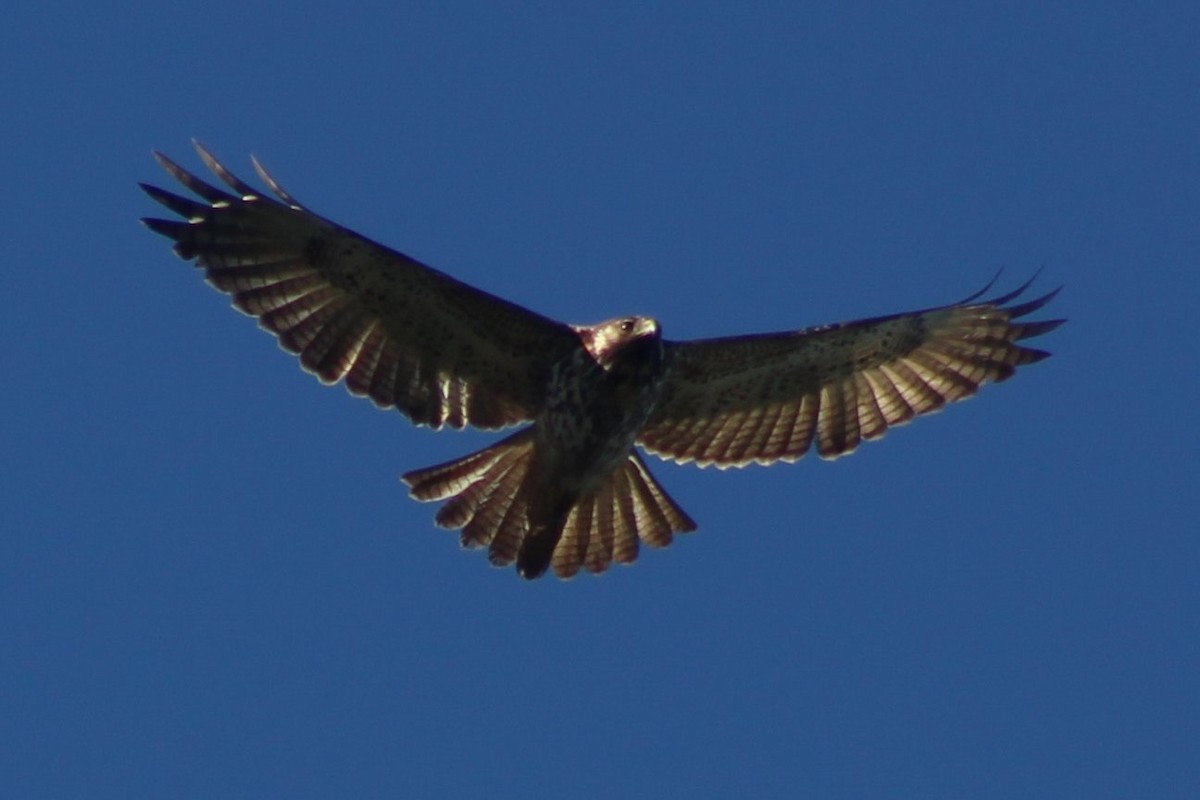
628 341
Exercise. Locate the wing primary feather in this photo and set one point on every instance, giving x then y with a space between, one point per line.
1015 293
1027 330
206 190
244 189
274 184
173 229
185 207
986 288
1016 312
434 332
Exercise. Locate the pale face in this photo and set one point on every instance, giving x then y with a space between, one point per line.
608 340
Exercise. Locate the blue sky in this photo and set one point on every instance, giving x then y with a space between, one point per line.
213 585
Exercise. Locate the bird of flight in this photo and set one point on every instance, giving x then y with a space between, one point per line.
570 491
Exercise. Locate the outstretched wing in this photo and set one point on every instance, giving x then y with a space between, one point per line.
764 398
402 333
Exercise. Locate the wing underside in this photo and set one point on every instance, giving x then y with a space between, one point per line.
393 329
770 397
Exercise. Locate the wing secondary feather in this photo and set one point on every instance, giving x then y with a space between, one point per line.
393 329
769 397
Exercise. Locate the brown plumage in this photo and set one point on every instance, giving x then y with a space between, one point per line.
570 491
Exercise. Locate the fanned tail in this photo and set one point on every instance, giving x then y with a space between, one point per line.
606 525
499 503
485 495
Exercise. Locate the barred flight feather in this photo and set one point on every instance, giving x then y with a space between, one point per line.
839 385
570 492
320 287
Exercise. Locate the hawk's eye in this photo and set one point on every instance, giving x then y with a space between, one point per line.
627 326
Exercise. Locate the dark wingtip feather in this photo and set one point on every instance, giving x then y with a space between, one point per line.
1035 355
987 288
1016 312
170 228
1010 296
1025 357
273 184
1028 329
188 209
206 190
1031 329
1015 293
217 168
176 231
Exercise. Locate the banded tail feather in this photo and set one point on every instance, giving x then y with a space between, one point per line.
498 502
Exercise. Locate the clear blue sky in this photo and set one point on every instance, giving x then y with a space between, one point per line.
213 585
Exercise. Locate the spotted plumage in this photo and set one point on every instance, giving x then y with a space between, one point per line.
569 491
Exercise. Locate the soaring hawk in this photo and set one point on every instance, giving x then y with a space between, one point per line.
570 490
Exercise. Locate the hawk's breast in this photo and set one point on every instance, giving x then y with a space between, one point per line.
593 415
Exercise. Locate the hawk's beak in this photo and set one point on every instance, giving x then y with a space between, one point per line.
647 327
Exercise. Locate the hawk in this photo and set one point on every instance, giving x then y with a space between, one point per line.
570 491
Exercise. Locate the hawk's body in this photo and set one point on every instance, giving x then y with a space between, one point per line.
570 490
519 497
